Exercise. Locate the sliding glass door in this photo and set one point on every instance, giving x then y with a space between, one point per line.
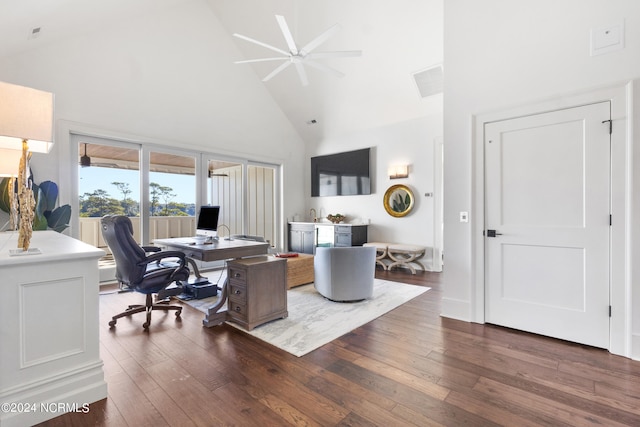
171 195
246 193
161 190
108 184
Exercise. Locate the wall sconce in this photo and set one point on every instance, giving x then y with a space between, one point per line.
398 171
26 124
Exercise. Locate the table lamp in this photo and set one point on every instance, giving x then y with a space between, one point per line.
26 124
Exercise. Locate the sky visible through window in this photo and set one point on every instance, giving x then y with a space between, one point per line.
94 178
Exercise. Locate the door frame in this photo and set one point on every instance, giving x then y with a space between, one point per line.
621 179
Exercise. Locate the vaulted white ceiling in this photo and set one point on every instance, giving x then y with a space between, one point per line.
397 38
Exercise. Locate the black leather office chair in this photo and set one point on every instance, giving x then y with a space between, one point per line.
147 273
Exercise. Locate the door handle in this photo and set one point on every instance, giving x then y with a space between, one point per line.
493 233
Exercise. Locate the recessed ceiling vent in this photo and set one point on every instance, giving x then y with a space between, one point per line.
429 81
35 32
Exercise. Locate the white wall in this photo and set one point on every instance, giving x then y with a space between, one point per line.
501 54
410 143
166 78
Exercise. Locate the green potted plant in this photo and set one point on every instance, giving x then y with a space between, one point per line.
47 215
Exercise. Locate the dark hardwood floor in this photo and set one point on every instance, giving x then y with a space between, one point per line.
408 367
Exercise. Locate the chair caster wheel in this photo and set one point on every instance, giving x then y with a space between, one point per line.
178 313
112 323
145 325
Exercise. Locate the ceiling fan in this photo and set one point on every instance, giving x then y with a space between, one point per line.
85 161
300 57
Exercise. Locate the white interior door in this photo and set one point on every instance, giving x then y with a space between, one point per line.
547 201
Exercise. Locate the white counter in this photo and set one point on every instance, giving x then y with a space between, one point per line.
49 337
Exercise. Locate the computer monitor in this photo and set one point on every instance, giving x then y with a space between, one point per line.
208 221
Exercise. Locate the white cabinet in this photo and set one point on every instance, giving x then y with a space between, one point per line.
305 236
49 355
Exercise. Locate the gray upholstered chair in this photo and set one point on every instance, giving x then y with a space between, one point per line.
345 273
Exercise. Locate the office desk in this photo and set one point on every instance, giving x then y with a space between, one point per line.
216 251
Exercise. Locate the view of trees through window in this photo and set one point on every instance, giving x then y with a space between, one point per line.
110 182
162 202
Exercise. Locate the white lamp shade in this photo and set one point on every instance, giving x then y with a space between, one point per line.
25 113
9 162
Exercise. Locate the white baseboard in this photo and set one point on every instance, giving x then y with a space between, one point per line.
635 347
455 309
53 396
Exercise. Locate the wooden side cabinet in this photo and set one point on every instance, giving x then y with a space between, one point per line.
257 290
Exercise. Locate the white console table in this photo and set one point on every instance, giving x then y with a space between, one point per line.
49 337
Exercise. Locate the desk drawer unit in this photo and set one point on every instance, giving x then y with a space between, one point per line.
237 292
257 290
194 255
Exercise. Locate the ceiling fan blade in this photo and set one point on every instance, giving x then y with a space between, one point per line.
287 34
319 40
324 68
336 54
281 58
302 73
259 43
276 71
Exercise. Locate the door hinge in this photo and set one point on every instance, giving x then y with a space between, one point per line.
610 125
610 220
609 311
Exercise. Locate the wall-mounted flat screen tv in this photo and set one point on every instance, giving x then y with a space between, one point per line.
341 174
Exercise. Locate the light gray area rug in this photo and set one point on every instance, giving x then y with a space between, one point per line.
314 321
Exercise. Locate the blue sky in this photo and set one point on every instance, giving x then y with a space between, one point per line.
95 177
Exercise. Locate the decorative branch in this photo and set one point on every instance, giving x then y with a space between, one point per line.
26 199
14 216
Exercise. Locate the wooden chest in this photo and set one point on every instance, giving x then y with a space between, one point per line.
299 270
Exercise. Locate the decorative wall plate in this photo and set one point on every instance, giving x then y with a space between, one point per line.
398 200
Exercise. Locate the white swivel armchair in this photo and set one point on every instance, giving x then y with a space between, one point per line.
345 273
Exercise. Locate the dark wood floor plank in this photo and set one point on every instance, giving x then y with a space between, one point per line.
408 367
132 402
499 411
403 377
361 401
330 380
419 402
561 411
252 411
202 407
280 382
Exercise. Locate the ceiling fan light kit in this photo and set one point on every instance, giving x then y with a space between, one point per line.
299 57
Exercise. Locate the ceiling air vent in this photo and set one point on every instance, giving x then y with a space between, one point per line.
35 32
429 81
